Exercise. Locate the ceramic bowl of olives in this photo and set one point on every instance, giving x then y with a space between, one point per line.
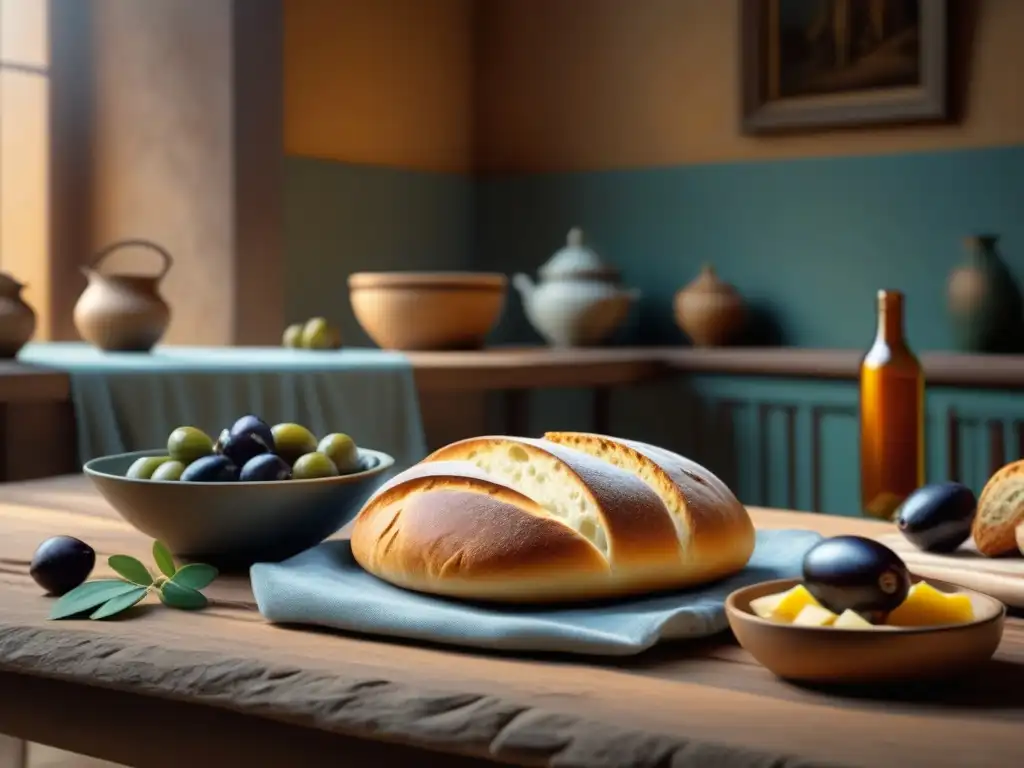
859 617
256 493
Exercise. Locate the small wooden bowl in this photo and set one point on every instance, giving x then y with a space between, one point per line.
426 311
865 656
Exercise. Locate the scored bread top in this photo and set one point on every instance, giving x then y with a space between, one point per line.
714 528
612 508
1000 511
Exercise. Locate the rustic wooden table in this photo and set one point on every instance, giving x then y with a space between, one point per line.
222 687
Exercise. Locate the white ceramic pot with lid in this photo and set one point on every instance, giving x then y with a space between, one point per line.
579 300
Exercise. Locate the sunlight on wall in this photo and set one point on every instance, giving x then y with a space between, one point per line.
387 82
25 151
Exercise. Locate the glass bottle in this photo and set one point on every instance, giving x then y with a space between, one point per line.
891 415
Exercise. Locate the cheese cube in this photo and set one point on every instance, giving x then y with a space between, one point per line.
783 606
852 620
814 616
926 606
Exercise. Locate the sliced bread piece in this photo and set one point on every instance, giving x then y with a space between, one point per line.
1000 511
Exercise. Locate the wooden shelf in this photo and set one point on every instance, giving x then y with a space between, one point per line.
541 367
521 368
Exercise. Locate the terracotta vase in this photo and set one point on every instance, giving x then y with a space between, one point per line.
710 311
123 313
985 302
17 319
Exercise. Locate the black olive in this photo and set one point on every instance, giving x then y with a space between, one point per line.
256 427
210 469
62 563
938 518
266 467
241 447
857 574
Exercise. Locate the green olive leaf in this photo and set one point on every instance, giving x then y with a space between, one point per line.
195 576
164 559
131 569
120 603
174 595
88 596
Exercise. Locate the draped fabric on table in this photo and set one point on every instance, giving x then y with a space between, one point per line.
129 402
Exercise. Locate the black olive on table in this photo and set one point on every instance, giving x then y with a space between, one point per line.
62 563
938 518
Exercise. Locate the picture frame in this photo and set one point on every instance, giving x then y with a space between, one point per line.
817 64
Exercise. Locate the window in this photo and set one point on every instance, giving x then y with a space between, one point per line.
25 150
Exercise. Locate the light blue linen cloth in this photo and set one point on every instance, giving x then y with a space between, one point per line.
325 586
130 401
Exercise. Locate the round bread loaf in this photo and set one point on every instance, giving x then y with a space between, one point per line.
570 517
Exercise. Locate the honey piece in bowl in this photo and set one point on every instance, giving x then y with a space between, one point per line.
814 616
926 606
783 606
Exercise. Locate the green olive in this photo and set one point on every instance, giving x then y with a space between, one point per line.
186 444
313 465
342 450
292 336
317 334
143 469
292 441
169 470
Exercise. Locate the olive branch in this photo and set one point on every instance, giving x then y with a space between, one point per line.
103 598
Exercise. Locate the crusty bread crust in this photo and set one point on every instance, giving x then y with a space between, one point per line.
714 528
1000 511
526 520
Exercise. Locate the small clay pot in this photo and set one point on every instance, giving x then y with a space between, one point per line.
709 311
17 319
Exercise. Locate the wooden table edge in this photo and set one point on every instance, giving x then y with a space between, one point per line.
506 732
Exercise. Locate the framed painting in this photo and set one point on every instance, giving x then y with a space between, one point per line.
809 64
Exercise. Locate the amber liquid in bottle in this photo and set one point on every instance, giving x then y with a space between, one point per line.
891 415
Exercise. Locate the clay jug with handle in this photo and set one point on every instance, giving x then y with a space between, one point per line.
123 313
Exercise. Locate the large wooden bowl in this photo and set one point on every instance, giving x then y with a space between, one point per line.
427 310
232 525
865 656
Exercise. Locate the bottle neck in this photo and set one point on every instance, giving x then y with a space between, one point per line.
890 318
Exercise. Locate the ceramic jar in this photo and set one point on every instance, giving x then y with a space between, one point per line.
710 311
984 300
123 313
17 319
579 300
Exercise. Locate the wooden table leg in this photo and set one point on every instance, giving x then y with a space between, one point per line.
13 752
601 411
517 412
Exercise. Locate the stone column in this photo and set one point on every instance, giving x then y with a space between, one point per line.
184 129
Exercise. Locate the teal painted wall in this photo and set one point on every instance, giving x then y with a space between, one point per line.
807 242
342 218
